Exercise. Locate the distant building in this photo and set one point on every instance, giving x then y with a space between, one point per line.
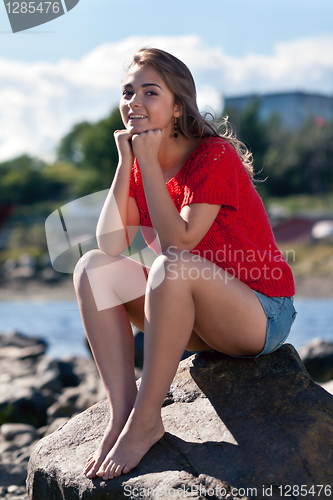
300 229
293 108
294 229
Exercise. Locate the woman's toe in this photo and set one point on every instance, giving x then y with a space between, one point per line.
91 473
106 472
126 469
88 464
113 469
100 471
118 470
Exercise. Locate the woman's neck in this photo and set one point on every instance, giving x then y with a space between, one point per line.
174 153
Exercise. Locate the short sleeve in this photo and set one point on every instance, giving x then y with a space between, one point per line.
213 176
132 185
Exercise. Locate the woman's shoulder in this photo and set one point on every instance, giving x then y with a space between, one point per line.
214 148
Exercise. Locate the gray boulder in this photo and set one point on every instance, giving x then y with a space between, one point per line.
19 404
14 338
232 427
56 374
317 357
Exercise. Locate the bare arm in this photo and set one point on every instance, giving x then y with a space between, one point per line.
119 218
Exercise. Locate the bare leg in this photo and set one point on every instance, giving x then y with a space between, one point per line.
226 315
111 340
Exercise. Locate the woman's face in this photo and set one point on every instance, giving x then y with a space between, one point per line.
146 102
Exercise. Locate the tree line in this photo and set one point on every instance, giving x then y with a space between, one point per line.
287 162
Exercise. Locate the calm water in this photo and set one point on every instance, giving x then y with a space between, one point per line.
59 323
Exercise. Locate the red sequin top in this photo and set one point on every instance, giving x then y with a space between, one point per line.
240 239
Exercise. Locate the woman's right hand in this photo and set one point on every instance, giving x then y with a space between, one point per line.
124 146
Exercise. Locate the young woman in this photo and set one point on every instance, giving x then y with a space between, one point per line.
219 281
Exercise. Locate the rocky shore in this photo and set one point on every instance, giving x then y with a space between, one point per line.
235 429
39 394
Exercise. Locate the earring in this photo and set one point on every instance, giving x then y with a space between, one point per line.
176 128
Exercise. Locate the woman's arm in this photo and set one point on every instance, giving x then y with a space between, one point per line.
184 230
119 218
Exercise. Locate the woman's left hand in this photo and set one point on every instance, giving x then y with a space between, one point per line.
146 147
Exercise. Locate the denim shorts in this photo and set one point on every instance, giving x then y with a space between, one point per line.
281 314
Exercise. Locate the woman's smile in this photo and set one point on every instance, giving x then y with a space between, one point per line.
147 103
133 117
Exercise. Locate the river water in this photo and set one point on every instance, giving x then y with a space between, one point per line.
59 323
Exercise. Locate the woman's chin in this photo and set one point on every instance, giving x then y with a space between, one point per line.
137 129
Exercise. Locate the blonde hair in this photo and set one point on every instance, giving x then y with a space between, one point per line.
191 123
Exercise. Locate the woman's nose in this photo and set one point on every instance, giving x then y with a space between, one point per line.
135 100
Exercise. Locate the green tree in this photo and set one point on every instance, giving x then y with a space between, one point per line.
251 131
22 181
300 162
98 145
70 146
92 148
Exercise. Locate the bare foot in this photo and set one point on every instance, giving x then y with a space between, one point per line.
94 460
136 438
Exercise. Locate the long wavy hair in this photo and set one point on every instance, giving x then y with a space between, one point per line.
191 123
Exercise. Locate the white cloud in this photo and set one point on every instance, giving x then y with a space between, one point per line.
39 102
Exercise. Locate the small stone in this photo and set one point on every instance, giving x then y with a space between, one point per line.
22 405
22 496
12 352
23 440
23 456
13 489
18 339
10 431
42 431
317 357
328 386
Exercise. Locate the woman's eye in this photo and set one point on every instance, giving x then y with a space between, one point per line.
151 92
127 93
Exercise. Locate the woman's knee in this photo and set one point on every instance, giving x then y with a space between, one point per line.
171 265
90 260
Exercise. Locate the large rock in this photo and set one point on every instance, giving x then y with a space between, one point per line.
230 423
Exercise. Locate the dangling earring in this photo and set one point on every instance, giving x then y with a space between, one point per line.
176 128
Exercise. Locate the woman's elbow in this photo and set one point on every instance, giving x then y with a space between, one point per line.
110 246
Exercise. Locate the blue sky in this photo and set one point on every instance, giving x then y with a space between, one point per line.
70 69
238 26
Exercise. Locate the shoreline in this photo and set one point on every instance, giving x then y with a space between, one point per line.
307 286
35 290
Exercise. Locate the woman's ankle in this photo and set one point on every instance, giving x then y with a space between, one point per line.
146 418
